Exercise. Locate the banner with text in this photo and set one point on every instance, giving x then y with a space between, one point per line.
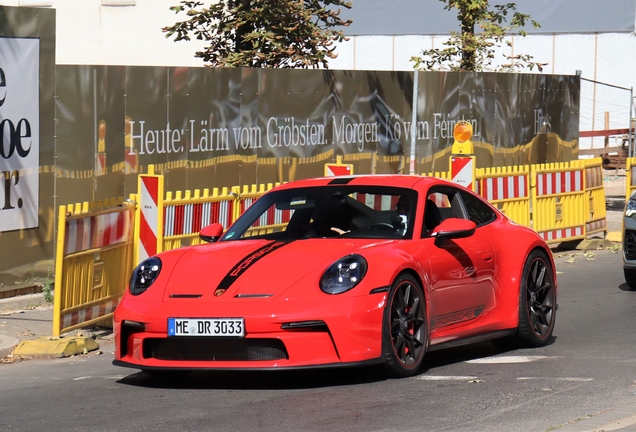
19 133
241 123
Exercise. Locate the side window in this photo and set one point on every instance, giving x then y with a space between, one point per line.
441 204
478 211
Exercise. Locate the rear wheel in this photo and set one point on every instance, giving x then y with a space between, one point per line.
405 332
630 278
537 301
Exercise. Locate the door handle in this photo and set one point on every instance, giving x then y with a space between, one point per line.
487 256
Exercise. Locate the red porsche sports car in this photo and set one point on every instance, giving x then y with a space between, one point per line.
341 271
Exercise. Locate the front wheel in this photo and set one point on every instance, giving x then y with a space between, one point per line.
630 278
405 329
537 301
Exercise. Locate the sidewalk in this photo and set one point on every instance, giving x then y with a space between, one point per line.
30 318
21 318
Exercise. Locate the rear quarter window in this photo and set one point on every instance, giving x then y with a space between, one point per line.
478 211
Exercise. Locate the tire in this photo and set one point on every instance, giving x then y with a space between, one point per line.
405 328
630 278
537 302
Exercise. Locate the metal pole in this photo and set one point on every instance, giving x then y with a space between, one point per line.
413 124
630 151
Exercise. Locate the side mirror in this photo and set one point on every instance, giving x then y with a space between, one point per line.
453 228
211 233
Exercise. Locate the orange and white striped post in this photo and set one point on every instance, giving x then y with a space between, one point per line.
338 168
462 160
149 216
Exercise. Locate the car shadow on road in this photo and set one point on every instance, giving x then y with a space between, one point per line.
449 356
306 378
258 380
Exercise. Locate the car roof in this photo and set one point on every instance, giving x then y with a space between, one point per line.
395 180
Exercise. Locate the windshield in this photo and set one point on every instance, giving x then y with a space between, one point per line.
327 212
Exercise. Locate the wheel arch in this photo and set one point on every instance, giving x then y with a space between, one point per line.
387 347
510 275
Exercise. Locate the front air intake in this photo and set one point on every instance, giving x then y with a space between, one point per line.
214 349
630 244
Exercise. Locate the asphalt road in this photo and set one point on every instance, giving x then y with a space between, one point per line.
584 380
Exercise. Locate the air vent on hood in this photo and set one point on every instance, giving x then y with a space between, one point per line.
186 295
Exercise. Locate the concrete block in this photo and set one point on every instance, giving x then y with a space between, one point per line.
594 243
615 236
55 347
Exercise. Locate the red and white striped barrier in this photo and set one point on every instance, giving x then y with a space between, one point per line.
88 314
150 218
333 170
191 218
377 202
559 182
463 171
561 234
504 188
595 226
273 217
440 199
245 203
93 232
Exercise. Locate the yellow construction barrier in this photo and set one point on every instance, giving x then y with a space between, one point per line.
630 177
92 262
508 189
439 174
595 190
559 201
552 199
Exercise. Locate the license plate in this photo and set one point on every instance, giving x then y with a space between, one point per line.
206 327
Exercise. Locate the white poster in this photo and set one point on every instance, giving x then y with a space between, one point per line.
19 133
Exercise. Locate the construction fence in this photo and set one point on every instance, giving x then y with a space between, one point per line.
100 243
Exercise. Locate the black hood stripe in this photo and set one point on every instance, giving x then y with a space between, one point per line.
247 262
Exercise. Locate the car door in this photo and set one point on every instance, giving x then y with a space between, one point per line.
462 269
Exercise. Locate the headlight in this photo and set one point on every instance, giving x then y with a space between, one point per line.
343 275
630 208
144 275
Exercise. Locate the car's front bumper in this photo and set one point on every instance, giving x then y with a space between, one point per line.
325 333
629 242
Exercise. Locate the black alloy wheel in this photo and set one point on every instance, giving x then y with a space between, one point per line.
537 302
405 334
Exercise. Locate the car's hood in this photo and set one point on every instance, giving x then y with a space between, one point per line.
256 268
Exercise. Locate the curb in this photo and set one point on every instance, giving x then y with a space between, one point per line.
22 302
616 418
27 301
7 343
